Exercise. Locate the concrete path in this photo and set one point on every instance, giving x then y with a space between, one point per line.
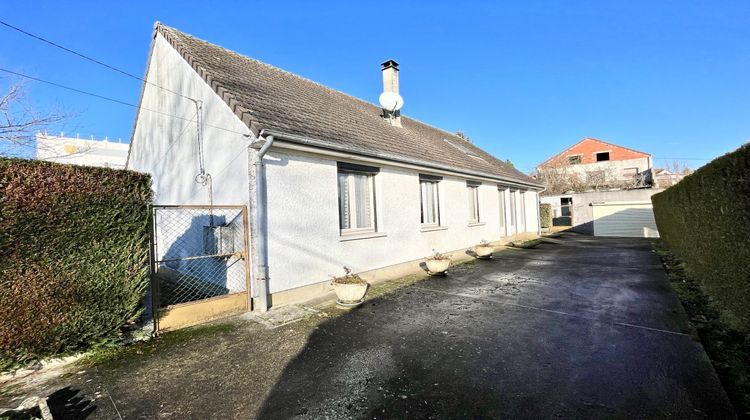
588 328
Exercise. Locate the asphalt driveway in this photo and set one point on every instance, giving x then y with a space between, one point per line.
588 328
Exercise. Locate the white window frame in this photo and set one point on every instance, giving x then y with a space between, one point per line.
502 207
435 200
513 213
473 201
522 203
352 204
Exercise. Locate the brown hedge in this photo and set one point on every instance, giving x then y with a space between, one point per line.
705 221
73 255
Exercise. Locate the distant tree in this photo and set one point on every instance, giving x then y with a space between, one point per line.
462 135
509 163
19 121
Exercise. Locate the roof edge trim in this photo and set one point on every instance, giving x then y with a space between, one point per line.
325 145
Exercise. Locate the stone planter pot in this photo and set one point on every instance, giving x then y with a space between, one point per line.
350 295
437 267
484 251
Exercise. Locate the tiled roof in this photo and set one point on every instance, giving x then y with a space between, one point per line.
265 97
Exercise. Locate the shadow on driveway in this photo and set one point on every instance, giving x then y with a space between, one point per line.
588 328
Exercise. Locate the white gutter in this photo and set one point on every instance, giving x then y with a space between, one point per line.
306 144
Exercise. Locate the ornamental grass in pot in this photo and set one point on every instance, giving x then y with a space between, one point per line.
437 263
484 249
350 289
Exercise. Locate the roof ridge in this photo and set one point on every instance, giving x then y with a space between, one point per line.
192 50
245 57
158 25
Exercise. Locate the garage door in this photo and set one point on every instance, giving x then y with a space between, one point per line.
633 219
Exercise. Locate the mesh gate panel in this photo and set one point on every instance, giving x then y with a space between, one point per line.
199 253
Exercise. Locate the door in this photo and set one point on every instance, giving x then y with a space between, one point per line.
522 211
503 221
513 213
566 212
633 219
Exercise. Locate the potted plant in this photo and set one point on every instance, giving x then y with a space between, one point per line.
484 249
437 263
350 289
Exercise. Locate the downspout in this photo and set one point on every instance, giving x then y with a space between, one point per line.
261 276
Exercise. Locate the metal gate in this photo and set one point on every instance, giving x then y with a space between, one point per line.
199 264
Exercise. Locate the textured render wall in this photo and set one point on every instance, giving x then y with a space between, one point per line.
167 147
583 214
304 241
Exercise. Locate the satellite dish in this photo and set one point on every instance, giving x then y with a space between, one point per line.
391 101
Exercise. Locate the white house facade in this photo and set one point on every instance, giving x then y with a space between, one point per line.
345 183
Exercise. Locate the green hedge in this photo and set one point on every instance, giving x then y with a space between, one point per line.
73 256
545 215
705 221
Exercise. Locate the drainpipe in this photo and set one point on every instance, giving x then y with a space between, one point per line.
261 276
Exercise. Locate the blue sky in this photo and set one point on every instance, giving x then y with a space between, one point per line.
524 80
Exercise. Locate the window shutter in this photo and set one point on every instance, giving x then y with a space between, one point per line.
344 201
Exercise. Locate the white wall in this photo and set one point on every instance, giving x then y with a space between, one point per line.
167 147
305 245
84 152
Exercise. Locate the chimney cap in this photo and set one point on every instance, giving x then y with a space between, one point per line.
390 64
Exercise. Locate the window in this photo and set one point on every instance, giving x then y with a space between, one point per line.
629 172
356 198
602 156
473 190
522 199
512 208
574 160
429 199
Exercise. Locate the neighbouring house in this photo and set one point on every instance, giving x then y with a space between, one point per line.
595 165
664 178
600 188
329 180
77 151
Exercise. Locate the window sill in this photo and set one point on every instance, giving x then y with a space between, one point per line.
477 224
355 236
433 228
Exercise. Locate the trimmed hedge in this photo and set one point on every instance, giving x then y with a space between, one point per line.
73 256
705 221
545 215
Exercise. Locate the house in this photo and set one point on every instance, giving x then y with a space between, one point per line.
600 188
327 179
79 151
593 164
664 178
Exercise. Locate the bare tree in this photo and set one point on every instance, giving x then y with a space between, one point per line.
19 121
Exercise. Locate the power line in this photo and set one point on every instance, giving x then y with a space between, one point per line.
93 60
679 158
117 101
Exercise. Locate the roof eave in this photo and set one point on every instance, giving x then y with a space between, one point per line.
326 145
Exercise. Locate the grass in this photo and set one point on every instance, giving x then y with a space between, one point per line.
144 348
727 347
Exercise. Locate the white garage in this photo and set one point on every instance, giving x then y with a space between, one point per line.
633 219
